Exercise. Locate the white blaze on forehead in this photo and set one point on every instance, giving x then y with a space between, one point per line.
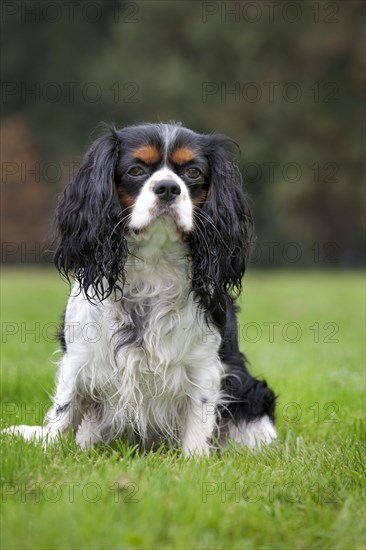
170 132
146 207
165 174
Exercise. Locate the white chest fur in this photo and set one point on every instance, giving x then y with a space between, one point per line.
154 357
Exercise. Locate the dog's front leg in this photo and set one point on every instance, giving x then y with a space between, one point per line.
198 427
66 411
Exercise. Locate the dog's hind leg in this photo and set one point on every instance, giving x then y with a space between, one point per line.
248 405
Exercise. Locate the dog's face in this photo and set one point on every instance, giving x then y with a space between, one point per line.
134 176
162 170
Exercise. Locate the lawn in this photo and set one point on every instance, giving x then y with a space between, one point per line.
302 331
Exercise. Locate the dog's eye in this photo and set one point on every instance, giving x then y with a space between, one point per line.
136 171
193 173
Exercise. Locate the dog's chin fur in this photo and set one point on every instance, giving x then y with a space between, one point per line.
165 225
150 334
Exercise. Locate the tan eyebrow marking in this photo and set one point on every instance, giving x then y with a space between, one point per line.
182 155
147 153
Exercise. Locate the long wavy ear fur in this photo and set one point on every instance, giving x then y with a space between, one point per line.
90 243
222 240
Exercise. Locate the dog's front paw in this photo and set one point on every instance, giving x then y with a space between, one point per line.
195 447
88 433
197 451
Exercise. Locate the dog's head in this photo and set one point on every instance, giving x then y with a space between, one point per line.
133 176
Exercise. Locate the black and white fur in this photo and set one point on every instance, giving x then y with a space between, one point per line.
155 229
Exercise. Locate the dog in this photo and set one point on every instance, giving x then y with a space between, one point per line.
155 230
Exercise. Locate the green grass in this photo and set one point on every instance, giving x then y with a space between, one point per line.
307 491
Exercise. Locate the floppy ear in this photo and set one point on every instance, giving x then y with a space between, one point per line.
90 242
223 231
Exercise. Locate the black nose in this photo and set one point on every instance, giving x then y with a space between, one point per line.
167 190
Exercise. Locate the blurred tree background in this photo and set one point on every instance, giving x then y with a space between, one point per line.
286 80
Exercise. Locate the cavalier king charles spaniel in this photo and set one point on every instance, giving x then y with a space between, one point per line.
155 229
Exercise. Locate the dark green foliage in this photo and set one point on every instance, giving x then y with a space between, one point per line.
291 94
